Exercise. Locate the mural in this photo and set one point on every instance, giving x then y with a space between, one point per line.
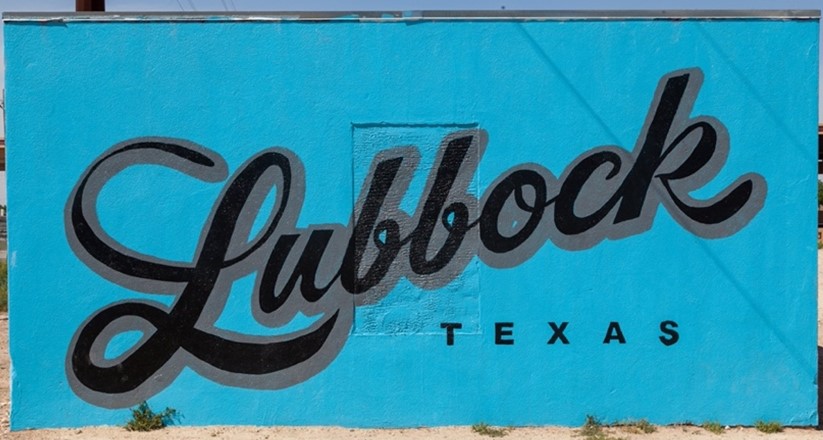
378 224
523 208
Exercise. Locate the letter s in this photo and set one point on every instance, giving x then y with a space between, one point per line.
672 337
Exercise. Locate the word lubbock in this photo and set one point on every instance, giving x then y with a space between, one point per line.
608 192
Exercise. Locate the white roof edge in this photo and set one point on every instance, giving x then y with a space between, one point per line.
497 15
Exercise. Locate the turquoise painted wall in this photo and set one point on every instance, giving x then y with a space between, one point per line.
647 186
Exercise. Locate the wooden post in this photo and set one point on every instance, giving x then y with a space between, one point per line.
820 149
90 5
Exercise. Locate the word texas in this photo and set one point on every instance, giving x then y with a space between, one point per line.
326 270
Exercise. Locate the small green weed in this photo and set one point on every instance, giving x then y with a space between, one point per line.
484 429
144 419
491 431
594 430
768 427
713 427
641 426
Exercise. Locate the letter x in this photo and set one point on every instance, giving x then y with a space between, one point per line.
558 332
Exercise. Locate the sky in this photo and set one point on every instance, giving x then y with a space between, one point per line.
391 5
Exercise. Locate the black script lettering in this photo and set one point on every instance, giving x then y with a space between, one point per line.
565 218
493 206
606 192
453 157
171 335
514 222
675 155
364 229
672 336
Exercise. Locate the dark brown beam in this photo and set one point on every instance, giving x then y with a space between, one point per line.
820 149
90 5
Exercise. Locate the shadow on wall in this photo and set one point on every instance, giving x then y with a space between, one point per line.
819 388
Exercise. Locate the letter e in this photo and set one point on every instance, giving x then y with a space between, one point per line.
503 329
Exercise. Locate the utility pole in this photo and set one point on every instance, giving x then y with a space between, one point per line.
90 5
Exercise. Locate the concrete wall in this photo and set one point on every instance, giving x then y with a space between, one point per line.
412 222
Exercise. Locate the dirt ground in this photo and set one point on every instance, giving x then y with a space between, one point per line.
336 433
